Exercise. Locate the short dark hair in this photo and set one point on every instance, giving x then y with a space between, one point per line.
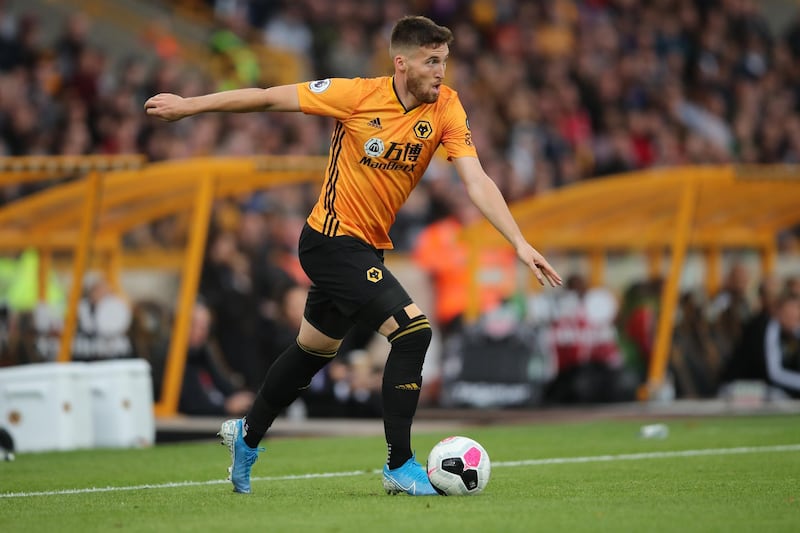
416 31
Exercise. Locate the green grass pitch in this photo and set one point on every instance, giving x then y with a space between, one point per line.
737 474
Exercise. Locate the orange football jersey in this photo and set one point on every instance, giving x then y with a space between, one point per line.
379 151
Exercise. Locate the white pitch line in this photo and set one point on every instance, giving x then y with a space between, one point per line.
174 484
530 462
652 455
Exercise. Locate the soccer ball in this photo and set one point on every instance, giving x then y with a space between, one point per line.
458 466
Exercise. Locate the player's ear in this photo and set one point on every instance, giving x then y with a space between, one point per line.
400 63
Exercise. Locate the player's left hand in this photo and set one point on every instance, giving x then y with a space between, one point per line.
539 265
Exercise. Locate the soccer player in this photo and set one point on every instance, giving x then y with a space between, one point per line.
387 130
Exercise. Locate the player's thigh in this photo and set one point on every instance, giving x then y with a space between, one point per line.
313 338
351 279
324 323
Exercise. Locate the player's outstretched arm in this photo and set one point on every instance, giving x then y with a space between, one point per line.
169 107
487 197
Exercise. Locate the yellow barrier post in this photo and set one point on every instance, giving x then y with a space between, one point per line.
655 261
93 186
193 262
473 311
45 264
113 267
670 291
713 257
597 267
769 258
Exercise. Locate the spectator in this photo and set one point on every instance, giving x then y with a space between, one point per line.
772 354
226 285
350 53
792 285
746 361
104 319
287 30
694 361
782 346
160 36
584 341
730 309
72 43
636 323
206 390
442 252
279 325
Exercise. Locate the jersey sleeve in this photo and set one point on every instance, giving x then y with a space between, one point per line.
457 138
331 97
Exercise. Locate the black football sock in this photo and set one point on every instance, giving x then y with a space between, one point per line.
402 380
289 375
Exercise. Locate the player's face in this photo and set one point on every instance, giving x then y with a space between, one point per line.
426 72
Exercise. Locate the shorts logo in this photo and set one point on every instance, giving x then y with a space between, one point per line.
423 129
319 86
374 275
374 147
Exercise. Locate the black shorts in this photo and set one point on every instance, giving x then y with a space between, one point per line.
350 284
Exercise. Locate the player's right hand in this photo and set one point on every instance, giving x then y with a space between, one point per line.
167 106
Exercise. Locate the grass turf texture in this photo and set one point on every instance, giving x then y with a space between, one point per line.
738 492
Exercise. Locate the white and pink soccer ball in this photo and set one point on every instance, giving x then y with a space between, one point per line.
458 466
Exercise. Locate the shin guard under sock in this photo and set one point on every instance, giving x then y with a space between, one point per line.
402 380
288 376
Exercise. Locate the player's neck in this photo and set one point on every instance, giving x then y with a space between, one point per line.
407 100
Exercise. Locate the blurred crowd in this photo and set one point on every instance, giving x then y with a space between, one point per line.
557 91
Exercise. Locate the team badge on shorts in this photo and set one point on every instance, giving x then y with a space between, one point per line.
319 86
374 275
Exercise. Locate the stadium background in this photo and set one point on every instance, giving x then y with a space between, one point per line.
558 93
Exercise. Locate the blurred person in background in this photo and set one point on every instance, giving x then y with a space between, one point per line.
226 285
792 285
280 324
729 309
782 346
207 389
585 343
769 349
442 251
104 318
636 323
386 133
745 362
694 360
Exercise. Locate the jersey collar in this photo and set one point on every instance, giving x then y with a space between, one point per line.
394 90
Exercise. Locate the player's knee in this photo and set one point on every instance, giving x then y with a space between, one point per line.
412 334
409 345
313 341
